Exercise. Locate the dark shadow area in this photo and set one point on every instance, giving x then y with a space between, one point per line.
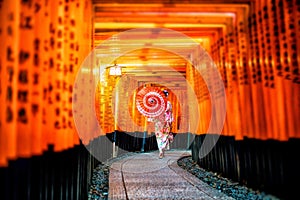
52 176
268 165
142 142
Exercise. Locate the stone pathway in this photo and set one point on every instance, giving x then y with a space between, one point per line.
145 176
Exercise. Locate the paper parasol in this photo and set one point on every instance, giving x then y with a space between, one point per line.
151 102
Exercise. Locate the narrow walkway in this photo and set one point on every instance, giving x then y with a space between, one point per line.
145 176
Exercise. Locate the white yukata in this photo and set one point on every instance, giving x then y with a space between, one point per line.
163 125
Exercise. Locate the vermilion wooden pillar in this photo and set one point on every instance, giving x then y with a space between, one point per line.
44 44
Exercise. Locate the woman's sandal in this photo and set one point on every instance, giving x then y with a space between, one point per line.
161 155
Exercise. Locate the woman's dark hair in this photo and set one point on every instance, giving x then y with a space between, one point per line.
166 93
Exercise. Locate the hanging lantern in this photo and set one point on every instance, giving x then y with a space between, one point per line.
115 70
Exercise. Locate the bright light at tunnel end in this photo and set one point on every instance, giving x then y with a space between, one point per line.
87 125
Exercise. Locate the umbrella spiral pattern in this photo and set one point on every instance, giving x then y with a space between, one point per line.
150 102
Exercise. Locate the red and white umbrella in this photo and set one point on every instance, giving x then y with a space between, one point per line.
151 101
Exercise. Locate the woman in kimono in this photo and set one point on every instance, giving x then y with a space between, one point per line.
163 125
